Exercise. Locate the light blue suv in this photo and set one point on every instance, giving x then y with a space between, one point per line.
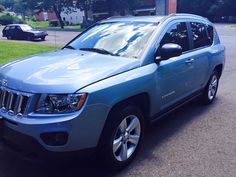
99 93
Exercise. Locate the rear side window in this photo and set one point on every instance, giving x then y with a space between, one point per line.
200 38
177 34
210 31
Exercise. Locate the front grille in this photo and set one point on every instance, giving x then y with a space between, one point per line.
13 102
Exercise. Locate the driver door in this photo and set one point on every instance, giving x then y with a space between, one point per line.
174 75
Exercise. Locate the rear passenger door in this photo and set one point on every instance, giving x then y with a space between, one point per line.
201 41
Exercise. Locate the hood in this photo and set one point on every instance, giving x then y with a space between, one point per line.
62 71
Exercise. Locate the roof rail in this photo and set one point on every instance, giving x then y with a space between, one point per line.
118 16
185 14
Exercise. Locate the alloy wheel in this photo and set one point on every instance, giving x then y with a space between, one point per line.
126 138
212 89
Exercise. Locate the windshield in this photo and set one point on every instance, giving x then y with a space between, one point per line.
126 39
26 27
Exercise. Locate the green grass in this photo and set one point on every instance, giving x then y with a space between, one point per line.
38 24
46 25
12 50
234 26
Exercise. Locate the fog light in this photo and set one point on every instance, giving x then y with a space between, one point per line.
55 138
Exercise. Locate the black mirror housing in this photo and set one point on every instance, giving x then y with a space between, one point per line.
170 50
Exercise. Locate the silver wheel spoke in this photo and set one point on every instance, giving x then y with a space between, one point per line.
124 151
123 126
134 139
212 87
117 144
126 138
214 83
134 123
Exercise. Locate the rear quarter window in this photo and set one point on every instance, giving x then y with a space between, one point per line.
210 31
199 33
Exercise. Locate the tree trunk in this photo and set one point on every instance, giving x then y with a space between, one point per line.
58 14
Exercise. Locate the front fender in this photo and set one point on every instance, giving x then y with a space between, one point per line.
120 87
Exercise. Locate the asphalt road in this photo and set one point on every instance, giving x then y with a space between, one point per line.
56 38
197 141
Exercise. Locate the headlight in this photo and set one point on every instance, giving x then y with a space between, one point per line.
61 103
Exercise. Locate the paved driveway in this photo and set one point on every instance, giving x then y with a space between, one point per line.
57 38
195 141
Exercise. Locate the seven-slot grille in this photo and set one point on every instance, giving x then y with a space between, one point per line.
13 102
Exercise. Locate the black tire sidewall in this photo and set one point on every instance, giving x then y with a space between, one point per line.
114 120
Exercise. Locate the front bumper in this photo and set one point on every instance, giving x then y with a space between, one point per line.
84 130
40 35
28 148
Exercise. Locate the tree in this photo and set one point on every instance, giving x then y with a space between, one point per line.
2 8
56 6
225 8
85 5
22 7
7 3
112 6
209 8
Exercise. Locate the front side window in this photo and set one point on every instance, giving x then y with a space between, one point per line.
177 34
126 39
200 38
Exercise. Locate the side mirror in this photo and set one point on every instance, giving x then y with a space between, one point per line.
170 50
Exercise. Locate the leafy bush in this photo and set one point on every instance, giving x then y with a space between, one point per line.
2 8
8 19
54 23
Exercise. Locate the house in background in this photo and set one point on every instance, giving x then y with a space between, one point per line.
46 16
72 18
146 7
100 11
156 7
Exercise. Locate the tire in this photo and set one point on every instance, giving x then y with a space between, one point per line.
211 89
119 145
29 38
9 38
43 38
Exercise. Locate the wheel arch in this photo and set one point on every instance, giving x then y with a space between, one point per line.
141 100
219 69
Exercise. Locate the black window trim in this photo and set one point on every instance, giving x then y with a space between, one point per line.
188 32
192 49
208 35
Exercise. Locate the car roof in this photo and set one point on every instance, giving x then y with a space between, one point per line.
155 18
17 24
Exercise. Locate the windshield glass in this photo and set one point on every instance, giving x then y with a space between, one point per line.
126 39
26 27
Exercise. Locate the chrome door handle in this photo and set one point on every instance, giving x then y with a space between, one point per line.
189 61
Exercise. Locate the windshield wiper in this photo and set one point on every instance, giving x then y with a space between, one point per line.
69 47
98 50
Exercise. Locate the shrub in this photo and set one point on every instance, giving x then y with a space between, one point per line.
8 19
2 8
54 23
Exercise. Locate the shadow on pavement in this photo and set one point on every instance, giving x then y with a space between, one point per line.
160 131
